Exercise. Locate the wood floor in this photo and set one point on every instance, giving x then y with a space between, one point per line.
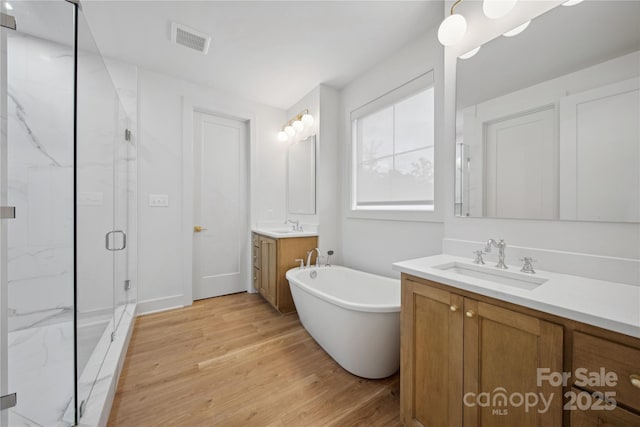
235 361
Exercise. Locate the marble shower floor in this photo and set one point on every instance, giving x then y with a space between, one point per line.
41 370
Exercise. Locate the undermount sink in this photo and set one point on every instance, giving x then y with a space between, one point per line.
491 274
283 231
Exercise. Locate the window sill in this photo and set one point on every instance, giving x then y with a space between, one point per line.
409 215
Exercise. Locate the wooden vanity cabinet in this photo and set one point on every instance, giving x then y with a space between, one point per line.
456 344
594 354
455 347
272 258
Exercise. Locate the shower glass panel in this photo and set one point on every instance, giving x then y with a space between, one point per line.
37 178
102 212
122 166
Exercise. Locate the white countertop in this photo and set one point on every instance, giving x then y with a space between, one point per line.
609 305
283 233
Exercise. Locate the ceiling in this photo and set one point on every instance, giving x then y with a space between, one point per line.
272 52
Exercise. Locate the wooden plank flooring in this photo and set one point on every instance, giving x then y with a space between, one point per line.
235 361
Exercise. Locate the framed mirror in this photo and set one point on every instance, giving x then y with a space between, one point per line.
547 121
301 177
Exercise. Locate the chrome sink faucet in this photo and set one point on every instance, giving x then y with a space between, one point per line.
501 247
296 224
309 257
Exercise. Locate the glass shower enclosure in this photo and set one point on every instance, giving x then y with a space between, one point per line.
67 166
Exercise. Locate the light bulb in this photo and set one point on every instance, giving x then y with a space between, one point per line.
470 53
282 136
290 131
297 125
452 29
517 30
8 6
572 2
307 120
495 9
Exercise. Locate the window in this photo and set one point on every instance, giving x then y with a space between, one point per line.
393 149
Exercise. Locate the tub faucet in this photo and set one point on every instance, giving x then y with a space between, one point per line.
311 253
501 247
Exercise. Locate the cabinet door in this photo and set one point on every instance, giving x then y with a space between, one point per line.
268 269
431 360
503 351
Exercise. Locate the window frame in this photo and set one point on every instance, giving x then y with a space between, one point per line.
391 210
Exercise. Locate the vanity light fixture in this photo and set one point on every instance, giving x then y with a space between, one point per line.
289 130
572 2
495 9
517 30
470 53
282 136
298 126
8 6
452 29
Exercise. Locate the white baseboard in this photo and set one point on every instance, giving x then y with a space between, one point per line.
160 304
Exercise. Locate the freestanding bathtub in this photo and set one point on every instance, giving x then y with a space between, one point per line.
354 316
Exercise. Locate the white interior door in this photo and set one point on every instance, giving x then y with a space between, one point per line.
220 240
521 166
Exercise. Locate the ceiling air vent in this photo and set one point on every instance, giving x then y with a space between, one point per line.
188 37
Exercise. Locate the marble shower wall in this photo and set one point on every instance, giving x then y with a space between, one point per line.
40 239
40 182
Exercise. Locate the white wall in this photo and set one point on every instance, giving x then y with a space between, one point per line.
323 103
311 102
164 250
602 240
374 244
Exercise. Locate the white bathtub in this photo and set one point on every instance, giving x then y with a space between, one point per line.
354 316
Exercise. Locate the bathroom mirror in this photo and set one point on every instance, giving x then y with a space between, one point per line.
301 177
547 121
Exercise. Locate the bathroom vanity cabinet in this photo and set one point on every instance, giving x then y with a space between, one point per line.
272 258
463 354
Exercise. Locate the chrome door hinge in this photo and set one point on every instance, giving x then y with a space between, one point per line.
7 212
127 135
113 336
7 21
127 285
8 401
81 408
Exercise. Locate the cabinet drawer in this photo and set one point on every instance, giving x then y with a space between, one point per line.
592 354
617 417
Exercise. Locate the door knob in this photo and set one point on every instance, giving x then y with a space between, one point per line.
470 313
198 228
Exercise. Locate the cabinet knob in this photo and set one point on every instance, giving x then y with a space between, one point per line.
635 380
453 307
470 313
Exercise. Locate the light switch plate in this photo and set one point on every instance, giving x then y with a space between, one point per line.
158 200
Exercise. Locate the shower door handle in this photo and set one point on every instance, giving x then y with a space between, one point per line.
124 240
107 240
